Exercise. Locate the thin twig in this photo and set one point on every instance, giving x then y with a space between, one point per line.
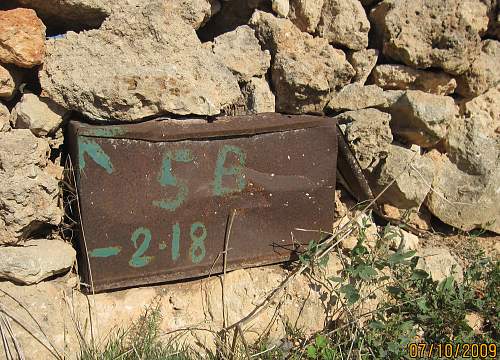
227 237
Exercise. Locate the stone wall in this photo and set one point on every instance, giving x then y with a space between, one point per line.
415 83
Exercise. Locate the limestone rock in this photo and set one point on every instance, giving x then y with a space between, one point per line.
363 222
401 77
466 184
75 13
344 22
28 193
431 33
355 97
258 96
240 51
412 175
305 69
22 37
195 13
363 62
401 239
422 118
189 304
162 68
4 118
465 201
9 82
41 116
391 98
78 14
369 135
473 141
439 264
281 7
484 72
35 261
305 14
420 219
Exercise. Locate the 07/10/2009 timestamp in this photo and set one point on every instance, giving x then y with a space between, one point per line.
452 351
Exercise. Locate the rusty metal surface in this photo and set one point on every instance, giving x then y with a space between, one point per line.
155 197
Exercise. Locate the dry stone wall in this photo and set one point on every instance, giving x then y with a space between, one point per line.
415 82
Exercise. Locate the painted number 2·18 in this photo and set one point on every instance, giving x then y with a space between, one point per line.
141 240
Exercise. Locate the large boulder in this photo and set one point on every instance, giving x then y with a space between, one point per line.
422 118
463 200
41 116
240 51
37 260
28 192
408 176
431 33
344 23
81 14
144 62
368 134
305 14
305 69
363 62
22 37
473 140
355 97
401 77
483 73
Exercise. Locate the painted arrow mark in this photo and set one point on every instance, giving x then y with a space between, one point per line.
95 152
105 252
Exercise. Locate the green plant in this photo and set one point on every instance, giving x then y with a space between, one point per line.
141 341
321 348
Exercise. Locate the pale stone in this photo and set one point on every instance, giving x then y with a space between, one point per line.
473 142
409 175
368 134
401 77
163 68
362 222
430 33
439 264
305 69
465 201
240 51
363 62
344 23
22 38
258 96
484 72
468 179
77 14
29 194
37 260
4 118
281 7
422 118
305 14
10 80
41 116
475 321
355 97
400 239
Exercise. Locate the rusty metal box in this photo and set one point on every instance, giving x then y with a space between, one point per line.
155 197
